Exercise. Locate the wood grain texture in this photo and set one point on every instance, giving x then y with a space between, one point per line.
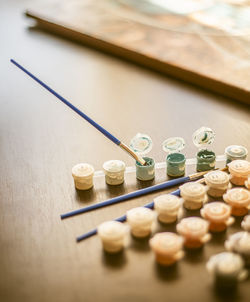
40 141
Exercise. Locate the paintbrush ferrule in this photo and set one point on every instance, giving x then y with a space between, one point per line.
133 154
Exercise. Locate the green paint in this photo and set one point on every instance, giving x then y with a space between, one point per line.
146 172
205 160
175 164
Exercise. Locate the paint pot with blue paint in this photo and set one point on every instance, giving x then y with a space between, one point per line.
142 144
235 152
175 161
202 138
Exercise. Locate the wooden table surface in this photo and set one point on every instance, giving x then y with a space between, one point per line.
40 141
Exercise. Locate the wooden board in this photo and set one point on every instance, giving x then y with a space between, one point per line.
199 55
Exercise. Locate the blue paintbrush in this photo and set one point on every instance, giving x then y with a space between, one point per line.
83 115
121 219
137 193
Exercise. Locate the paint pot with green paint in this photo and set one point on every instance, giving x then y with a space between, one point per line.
175 161
205 158
235 152
142 144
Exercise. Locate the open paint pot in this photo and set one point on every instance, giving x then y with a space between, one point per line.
142 145
194 230
175 161
219 216
239 170
235 152
167 248
202 138
239 200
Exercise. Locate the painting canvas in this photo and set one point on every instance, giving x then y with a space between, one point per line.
204 42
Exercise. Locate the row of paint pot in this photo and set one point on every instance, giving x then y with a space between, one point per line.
114 174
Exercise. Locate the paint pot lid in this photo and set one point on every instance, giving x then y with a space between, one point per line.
225 263
140 215
216 211
114 166
167 202
195 227
173 144
240 166
203 137
245 224
112 230
237 196
141 144
236 151
239 242
192 189
166 243
216 178
82 170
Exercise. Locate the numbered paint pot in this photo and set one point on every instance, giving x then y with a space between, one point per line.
114 172
217 182
83 176
245 224
193 195
140 221
175 161
235 152
142 145
239 170
167 207
219 216
247 183
113 236
167 248
227 269
202 138
240 243
194 230
239 200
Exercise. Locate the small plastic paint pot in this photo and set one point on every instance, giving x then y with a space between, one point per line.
226 269
202 138
146 172
194 230
140 221
83 176
112 235
114 172
247 183
240 243
193 195
167 207
205 160
235 152
239 170
219 216
239 200
217 182
167 248
245 224
142 145
175 161
175 164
